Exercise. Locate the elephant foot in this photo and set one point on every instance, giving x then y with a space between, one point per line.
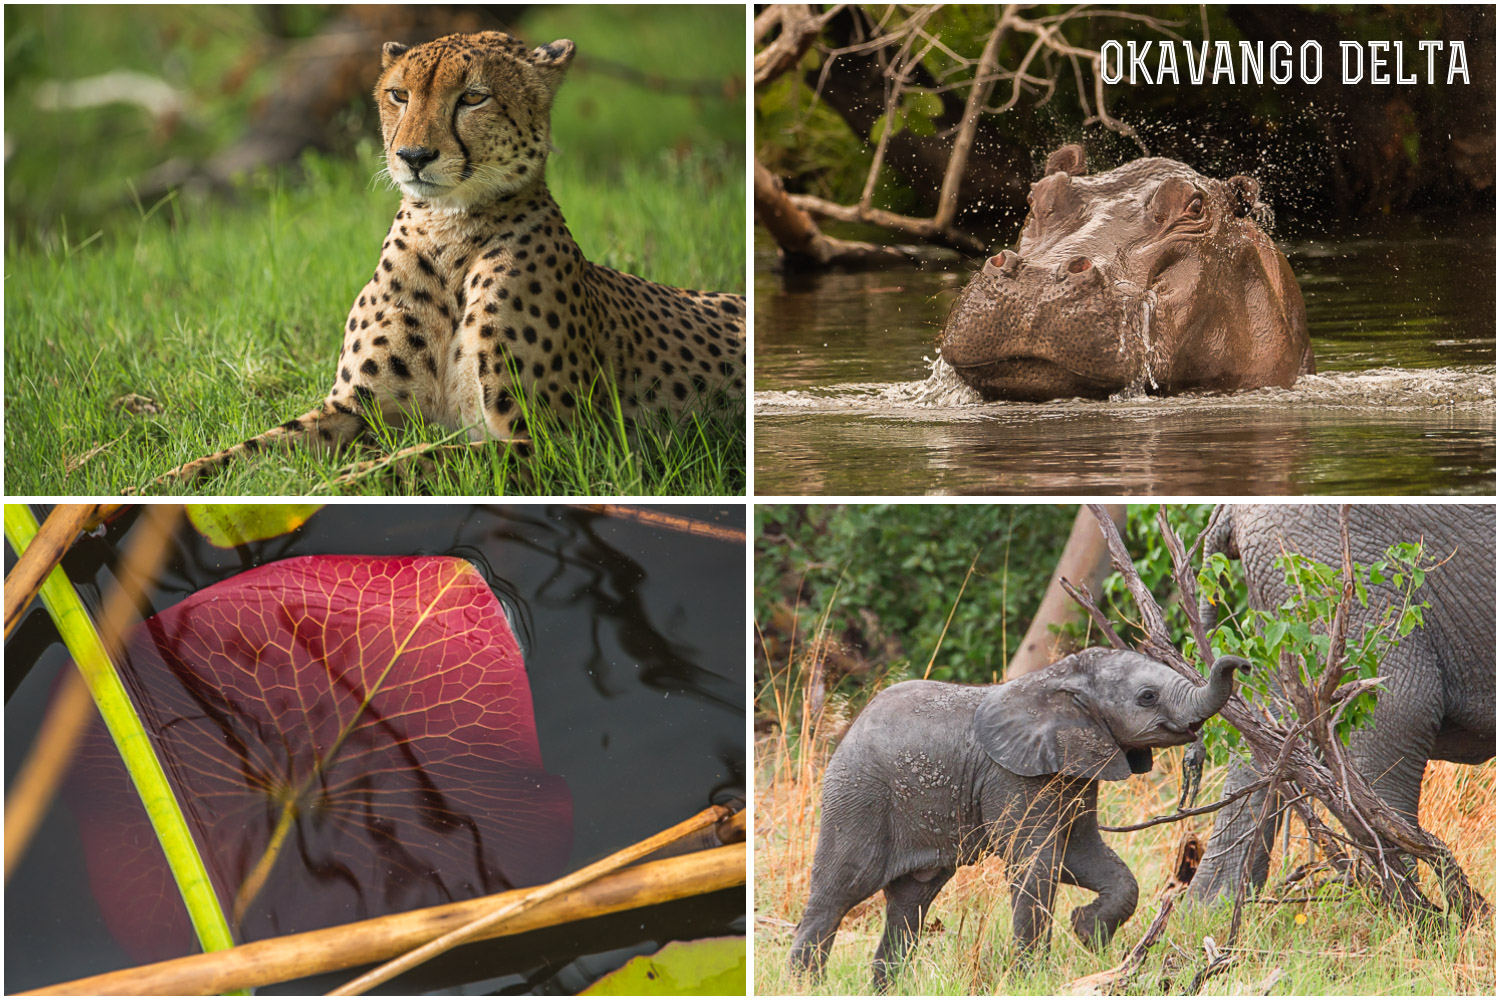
1093 932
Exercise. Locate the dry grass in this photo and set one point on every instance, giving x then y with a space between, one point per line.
1326 947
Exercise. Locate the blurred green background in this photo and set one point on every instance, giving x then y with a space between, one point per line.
210 68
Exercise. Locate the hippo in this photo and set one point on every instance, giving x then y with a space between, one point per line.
1149 278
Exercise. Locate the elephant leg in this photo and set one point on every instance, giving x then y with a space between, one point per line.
1031 899
1237 834
1089 862
1392 751
906 903
836 888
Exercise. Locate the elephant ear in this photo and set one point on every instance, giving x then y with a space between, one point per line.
1031 726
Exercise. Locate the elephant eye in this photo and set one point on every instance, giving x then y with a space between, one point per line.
1146 698
1195 207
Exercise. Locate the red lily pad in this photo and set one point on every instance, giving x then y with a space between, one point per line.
348 737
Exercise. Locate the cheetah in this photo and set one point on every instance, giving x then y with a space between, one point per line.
480 293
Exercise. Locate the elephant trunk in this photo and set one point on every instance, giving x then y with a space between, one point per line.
1207 700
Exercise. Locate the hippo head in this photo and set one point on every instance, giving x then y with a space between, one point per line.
1148 277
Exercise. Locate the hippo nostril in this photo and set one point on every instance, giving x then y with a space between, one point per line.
1007 262
1079 264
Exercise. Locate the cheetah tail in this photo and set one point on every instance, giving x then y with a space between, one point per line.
330 426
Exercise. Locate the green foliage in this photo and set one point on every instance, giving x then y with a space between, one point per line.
228 525
1298 629
801 138
889 575
1154 564
75 170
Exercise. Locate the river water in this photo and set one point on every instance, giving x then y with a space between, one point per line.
852 398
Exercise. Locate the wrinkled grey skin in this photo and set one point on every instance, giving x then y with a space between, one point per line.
932 776
1440 697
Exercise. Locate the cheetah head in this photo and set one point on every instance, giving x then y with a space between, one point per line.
466 118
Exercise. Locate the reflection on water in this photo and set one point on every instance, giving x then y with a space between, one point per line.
850 398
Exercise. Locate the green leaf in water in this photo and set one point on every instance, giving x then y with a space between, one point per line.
230 524
710 967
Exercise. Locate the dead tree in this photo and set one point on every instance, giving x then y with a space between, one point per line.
1302 752
1086 558
869 68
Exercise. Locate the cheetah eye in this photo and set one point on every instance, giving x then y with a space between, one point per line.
473 98
398 95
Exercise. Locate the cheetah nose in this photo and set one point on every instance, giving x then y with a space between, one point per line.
417 157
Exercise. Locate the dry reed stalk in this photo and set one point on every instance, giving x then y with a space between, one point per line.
46 550
35 786
510 909
276 960
36 783
661 519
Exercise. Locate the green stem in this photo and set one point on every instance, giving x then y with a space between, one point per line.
88 651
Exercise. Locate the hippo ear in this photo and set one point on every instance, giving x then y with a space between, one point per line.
1244 194
1035 725
1069 159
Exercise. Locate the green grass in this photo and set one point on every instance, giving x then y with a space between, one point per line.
228 314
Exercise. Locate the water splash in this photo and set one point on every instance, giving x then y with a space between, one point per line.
1140 332
942 396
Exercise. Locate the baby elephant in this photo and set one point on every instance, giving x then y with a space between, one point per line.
932 776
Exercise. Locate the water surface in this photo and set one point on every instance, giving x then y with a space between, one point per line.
852 398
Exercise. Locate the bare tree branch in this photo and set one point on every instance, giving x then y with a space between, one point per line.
1316 765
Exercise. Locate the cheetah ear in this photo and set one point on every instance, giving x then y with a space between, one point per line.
553 59
390 52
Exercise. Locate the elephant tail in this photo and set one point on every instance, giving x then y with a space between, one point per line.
1218 537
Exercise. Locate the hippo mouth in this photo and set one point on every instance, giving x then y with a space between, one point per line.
1033 379
1037 338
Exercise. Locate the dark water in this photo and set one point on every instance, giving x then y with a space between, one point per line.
850 398
634 642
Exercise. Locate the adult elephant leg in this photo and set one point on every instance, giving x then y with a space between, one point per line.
1089 862
1392 751
1236 834
906 903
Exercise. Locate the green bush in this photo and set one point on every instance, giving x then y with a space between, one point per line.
888 576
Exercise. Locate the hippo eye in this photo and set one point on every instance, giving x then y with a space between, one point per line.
473 98
1146 698
1195 207
398 96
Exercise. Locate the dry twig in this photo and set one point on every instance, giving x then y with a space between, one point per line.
529 899
277 960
